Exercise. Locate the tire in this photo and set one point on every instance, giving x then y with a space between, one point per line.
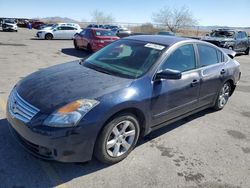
48 36
89 48
247 51
223 96
75 45
117 139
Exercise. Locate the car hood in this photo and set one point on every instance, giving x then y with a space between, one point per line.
219 39
53 87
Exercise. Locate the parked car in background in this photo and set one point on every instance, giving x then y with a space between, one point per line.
37 24
94 39
58 32
168 33
122 32
101 105
9 25
61 24
236 40
45 26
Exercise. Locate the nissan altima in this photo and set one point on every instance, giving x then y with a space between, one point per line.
101 105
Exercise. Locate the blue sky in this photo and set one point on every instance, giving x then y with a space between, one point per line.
207 12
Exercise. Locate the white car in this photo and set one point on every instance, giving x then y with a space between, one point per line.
9 25
58 32
63 24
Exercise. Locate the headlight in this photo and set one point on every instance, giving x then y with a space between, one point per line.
70 114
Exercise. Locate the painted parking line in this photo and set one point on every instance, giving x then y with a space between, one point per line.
47 167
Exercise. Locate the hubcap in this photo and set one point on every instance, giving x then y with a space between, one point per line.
224 95
121 138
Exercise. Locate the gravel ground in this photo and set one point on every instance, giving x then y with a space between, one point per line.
208 149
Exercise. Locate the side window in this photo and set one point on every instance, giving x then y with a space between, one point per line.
207 54
244 35
220 56
68 28
238 35
63 28
59 28
182 59
83 32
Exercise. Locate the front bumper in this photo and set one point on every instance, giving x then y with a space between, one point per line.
9 28
64 145
40 35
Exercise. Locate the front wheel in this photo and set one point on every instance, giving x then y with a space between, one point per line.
48 36
75 45
247 51
117 139
223 96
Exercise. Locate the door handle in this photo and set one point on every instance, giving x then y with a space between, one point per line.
222 71
194 83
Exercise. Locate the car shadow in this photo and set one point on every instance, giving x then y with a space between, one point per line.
172 126
15 160
75 53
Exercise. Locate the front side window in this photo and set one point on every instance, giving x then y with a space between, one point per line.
207 54
125 58
182 59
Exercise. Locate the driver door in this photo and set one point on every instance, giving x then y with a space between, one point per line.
173 98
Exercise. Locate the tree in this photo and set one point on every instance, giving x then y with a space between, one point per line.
175 19
101 17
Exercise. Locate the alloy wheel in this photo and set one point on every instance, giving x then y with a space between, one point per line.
121 138
224 95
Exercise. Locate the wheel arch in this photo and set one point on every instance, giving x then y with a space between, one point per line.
233 86
130 110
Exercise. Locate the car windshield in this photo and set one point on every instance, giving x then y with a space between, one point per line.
226 34
104 33
10 21
125 58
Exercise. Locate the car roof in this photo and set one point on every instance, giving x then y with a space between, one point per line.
159 39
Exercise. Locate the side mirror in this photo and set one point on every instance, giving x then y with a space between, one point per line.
168 74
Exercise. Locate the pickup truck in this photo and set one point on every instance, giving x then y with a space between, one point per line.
236 40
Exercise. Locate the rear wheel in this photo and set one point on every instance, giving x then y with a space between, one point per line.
89 48
48 36
247 51
117 139
75 45
223 96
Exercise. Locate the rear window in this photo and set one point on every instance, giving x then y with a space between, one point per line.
104 33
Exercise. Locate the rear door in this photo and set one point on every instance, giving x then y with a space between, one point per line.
58 32
212 71
245 42
172 98
70 32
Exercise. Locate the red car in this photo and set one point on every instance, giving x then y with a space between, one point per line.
94 39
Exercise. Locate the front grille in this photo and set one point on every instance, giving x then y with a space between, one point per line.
21 109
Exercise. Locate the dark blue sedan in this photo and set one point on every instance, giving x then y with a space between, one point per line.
101 105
